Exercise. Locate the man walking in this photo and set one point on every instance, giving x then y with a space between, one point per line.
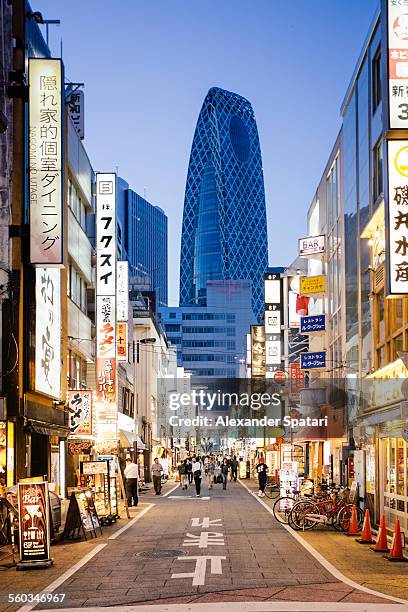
189 465
131 473
262 471
234 468
196 470
183 474
210 471
224 473
157 470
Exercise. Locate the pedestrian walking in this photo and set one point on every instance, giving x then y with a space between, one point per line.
183 474
262 471
210 472
196 471
131 473
189 470
234 468
157 470
224 473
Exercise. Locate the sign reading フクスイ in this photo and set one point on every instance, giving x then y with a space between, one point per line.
106 286
48 331
80 412
45 165
398 63
312 245
397 217
34 524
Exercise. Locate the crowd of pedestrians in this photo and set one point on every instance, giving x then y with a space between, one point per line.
216 469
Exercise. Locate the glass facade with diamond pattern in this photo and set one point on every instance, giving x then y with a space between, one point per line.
224 224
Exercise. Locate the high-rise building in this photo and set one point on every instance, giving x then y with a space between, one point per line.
224 234
142 240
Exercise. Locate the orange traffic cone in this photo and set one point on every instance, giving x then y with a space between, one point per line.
381 545
366 537
396 548
353 527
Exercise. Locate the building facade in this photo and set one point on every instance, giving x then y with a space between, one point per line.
211 339
142 240
224 235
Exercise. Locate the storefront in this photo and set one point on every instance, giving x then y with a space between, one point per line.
393 473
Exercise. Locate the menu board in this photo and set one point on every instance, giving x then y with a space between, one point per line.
34 522
81 515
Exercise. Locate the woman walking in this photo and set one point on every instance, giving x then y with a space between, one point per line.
224 473
183 474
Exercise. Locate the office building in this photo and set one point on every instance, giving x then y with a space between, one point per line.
224 234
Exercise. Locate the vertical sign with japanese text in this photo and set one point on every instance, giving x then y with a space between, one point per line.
122 290
75 102
45 165
48 331
80 412
106 286
273 324
397 221
398 63
121 341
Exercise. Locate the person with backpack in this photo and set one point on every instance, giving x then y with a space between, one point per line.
196 471
224 473
182 469
189 466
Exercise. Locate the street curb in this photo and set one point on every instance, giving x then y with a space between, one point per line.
324 562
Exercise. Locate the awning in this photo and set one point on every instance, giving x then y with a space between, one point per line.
140 444
48 429
126 438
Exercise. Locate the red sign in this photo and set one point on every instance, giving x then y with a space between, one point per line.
34 522
80 412
280 377
297 379
106 379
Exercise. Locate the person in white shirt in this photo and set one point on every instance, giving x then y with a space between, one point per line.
197 476
131 474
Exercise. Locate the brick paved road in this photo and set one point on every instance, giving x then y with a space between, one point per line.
262 560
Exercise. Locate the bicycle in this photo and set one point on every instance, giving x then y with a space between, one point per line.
272 489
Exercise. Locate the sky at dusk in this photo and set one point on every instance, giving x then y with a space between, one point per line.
148 64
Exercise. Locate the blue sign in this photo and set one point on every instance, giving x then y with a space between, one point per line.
313 324
313 361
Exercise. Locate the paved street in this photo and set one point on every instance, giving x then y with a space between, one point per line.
227 548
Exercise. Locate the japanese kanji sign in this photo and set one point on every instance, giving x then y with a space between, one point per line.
121 341
313 361
106 286
46 162
75 101
397 213
48 331
80 412
398 63
258 351
122 290
313 324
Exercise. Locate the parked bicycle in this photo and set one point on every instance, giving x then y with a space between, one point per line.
334 510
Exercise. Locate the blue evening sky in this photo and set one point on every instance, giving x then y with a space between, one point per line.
148 64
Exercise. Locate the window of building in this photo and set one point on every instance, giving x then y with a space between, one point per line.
172 315
376 79
378 170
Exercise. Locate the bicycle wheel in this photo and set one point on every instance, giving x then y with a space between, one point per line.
282 508
272 491
344 517
298 518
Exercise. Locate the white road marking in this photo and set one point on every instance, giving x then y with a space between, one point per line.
188 497
131 522
171 490
326 564
57 583
204 539
198 575
249 606
205 522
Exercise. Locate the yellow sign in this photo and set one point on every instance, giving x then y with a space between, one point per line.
311 285
401 161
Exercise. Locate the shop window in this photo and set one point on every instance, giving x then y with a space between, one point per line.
398 345
376 79
381 318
